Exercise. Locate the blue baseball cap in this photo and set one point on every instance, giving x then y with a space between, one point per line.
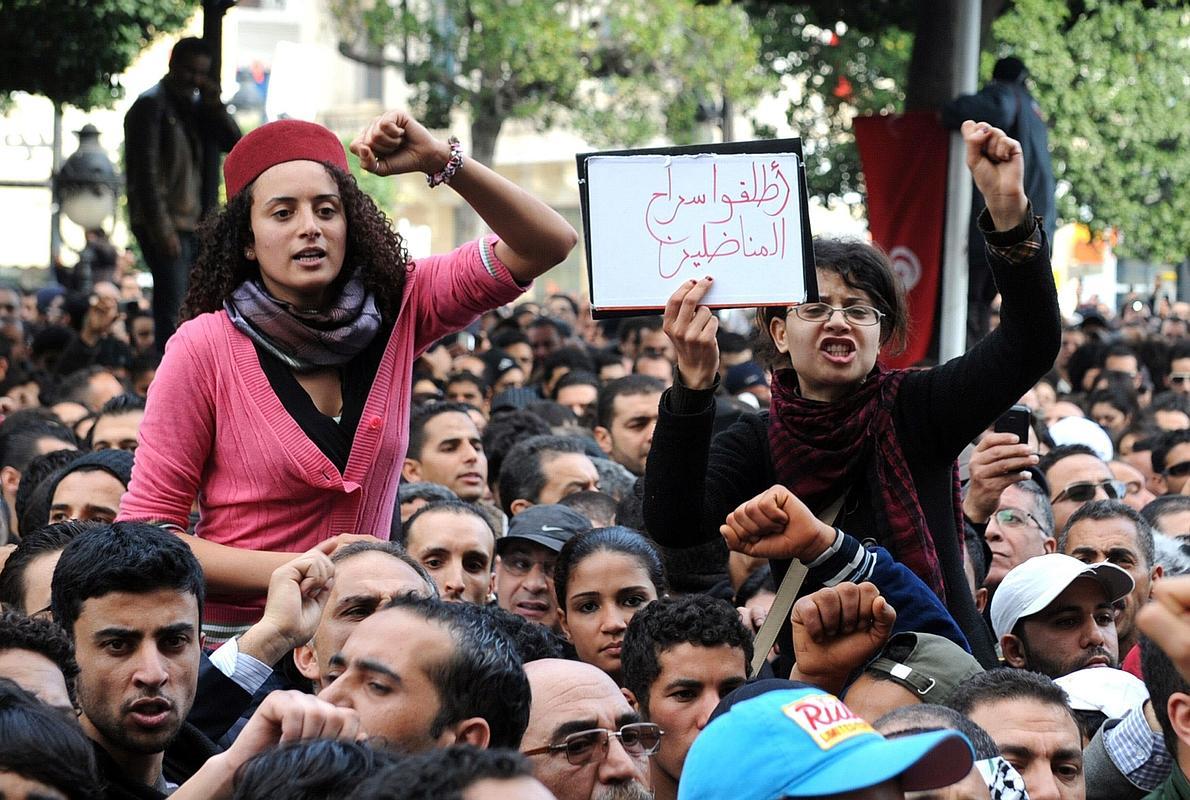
804 742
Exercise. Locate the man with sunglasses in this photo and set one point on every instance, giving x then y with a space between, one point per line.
585 742
1076 476
1178 379
1171 462
526 555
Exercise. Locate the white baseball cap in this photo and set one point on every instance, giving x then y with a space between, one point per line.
1079 430
1030 587
1112 691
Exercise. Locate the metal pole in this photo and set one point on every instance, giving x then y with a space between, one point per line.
55 209
212 34
958 193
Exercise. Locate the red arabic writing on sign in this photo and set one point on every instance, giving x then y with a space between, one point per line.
735 211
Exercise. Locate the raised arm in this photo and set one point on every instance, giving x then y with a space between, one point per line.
533 237
946 407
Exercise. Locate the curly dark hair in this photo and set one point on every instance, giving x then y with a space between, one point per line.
373 247
18 632
695 619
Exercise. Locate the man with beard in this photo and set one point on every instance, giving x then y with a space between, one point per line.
585 742
1054 614
169 133
129 595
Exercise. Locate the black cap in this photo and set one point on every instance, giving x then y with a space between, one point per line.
514 397
1010 70
549 525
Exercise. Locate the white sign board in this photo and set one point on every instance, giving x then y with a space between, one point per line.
655 221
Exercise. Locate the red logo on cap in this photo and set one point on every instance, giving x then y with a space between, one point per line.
826 720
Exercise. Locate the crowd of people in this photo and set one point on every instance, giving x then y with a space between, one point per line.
372 527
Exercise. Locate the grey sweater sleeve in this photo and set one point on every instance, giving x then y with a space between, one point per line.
1103 778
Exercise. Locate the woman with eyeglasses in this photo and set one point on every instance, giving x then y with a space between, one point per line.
602 578
842 425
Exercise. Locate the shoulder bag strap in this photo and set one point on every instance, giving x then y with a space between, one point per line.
786 595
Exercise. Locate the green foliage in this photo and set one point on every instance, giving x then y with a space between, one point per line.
665 68
1112 83
838 72
72 50
622 71
1110 76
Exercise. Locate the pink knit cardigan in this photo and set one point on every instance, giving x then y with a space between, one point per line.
214 429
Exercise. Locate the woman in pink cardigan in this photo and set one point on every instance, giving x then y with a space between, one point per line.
282 402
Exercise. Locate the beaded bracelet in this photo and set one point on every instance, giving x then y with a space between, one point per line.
452 164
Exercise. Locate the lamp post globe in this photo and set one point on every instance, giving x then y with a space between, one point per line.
87 182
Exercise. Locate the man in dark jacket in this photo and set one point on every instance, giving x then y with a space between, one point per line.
1006 104
167 134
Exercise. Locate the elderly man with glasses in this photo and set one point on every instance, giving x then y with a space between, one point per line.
585 742
1077 476
1021 527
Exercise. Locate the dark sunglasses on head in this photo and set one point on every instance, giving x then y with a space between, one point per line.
1084 491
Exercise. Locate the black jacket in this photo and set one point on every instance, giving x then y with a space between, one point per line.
692 483
185 755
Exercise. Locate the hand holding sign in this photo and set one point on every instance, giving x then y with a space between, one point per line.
658 218
692 328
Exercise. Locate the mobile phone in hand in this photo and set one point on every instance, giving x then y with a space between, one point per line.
1015 420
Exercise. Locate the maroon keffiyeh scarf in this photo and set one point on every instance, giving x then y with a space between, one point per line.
821 448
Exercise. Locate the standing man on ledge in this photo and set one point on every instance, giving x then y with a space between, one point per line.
166 133
1005 103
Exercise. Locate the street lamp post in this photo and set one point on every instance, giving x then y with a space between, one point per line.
87 183
84 188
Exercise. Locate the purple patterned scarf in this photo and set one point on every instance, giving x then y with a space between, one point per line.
306 340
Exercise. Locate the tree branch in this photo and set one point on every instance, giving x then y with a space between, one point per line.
426 73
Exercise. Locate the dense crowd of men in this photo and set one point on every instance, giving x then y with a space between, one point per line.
442 659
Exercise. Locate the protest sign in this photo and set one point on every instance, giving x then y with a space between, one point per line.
736 211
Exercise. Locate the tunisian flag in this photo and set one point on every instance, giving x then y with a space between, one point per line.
904 163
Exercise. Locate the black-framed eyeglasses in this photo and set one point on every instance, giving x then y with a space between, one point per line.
1015 518
821 312
638 739
1179 470
1084 491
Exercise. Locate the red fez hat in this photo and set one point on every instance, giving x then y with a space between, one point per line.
276 143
